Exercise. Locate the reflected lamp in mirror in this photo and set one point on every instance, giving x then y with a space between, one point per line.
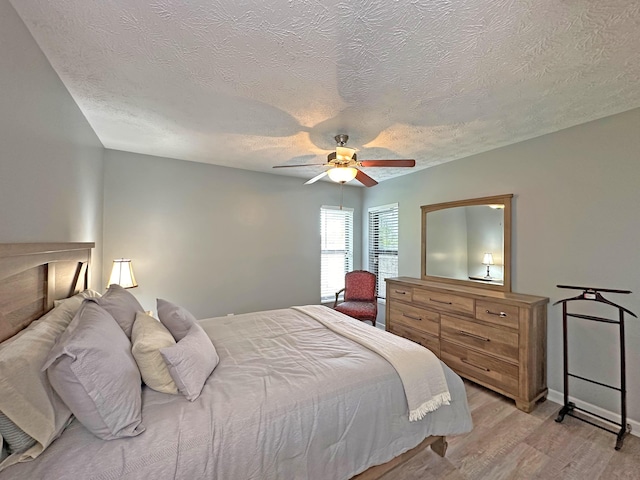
487 260
122 274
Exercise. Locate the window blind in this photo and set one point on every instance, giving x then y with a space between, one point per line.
383 244
336 259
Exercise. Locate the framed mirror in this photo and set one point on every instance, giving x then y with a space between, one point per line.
468 242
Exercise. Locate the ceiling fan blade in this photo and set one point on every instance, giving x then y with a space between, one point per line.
365 179
315 179
301 165
388 163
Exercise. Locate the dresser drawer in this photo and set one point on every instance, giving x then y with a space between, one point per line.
483 368
495 340
426 340
498 313
400 293
444 301
414 317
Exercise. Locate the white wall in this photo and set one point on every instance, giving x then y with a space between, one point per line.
50 158
217 240
576 221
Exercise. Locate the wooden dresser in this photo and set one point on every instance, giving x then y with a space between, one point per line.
493 338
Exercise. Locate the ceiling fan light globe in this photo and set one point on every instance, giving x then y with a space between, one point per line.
342 174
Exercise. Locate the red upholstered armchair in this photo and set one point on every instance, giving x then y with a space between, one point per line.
360 299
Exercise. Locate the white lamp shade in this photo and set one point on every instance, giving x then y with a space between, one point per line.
122 274
342 174
344 154
487 259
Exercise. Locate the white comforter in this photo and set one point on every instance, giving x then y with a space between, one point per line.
290 399
420 371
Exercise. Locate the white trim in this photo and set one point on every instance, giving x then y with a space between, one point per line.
382 208
558 397
336 207
336 238
389 215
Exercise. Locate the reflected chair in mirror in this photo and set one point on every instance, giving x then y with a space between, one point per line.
360 299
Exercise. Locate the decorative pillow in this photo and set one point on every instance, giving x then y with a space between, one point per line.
177 319
26 396
122 306
148 336
93 371
3 451
191 361
17 440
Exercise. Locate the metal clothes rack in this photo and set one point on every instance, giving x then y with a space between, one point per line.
594 295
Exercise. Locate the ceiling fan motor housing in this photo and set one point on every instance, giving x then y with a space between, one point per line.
341 139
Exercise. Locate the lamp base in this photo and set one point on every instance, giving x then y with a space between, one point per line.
488 275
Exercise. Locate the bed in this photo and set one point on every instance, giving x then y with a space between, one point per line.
289 397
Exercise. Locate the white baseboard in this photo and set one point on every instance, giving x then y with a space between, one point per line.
558 397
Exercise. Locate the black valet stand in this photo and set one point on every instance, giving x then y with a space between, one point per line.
594 295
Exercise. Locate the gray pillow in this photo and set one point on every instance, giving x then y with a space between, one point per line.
93 371
88 293
191 361
122 306
17 441
177 319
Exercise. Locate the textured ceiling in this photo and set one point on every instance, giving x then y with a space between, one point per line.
254 83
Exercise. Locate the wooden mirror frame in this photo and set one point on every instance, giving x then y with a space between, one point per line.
498 199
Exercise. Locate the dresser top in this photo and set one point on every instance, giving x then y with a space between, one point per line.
508 297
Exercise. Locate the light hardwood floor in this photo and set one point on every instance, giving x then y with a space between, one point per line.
506 443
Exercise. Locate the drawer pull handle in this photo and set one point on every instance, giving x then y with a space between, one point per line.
400 292
440 301
477 337
412 317
464 360
500 314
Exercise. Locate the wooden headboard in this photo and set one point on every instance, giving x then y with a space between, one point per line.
33 275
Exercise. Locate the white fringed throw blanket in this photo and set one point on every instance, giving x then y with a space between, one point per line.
419 369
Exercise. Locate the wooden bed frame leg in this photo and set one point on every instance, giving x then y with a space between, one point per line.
440 446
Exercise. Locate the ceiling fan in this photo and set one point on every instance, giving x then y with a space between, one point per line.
345 165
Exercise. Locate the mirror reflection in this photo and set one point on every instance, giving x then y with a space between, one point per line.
468 242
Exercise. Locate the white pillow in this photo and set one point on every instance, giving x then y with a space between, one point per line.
88 293
27 397
148 336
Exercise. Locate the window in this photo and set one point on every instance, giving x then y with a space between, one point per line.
383 244
336 244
